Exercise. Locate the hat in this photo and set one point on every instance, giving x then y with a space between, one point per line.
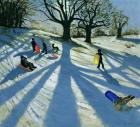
99 50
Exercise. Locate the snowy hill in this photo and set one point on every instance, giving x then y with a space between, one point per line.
68 91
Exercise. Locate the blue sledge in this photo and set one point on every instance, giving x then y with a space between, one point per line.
112 96
114 99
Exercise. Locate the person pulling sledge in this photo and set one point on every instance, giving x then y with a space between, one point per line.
119 102
44 47
33 44
25 63
100 59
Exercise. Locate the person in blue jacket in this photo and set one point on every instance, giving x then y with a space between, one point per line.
44 47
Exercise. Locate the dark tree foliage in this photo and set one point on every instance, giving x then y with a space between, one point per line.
95 13
13 13
63 12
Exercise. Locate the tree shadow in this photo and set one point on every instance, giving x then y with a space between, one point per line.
62 110
102 106
21 107
125 62
27 53
13 74
134 40
7 93
119 88
7 52
91 93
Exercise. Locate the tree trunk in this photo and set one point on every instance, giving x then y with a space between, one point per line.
119 33
88 35
66 31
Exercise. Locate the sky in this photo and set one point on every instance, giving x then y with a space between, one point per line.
131 8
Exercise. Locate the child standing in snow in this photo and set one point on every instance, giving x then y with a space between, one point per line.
100 59
33 44
44 47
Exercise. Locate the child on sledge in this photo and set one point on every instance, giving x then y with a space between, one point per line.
55 48
25 63
119 102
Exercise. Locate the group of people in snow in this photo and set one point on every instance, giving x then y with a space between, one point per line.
119 102
55 49
23 59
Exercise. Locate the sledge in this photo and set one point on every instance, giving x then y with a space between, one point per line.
119 103
96 59
37 49
24 68
55 55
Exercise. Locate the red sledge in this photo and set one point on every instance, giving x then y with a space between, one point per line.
55 56
24 68
37 49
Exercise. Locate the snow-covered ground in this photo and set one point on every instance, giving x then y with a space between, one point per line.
68 91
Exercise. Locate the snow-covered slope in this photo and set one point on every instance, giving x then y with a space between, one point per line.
68 91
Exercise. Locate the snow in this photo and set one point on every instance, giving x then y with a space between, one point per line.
67 91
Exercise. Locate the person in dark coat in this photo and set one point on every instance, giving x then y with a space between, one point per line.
25 63
44 47
33 44
100 59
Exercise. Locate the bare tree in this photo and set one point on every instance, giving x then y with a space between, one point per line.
62 12
119 22
95 13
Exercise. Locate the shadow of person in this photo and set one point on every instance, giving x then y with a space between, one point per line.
109 78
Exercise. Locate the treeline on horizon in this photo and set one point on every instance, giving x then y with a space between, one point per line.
78 18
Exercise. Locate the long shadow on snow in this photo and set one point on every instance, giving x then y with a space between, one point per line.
103 107
11 91
27 53
62 110
7 53
123 89
13 74
134 40
21 107
96 98
91 94
125 65
125 61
